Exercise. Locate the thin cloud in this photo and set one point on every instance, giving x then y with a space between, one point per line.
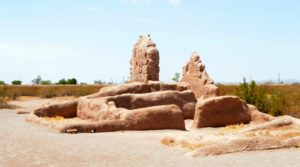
34 51
173 2
141 20
94 8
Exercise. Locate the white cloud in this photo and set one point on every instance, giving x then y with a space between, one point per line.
175 2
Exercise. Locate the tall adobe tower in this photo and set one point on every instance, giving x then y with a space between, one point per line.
144 61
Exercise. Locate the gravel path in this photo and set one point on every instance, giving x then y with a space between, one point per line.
25 144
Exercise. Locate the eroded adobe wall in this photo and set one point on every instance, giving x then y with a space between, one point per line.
195 75
144 61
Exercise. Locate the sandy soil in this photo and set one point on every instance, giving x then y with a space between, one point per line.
26 144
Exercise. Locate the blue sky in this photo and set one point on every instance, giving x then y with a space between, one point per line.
93 39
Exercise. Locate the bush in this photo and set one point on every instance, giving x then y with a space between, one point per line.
99 82
2 83
62 82
45 82
273 103
71 81
16 82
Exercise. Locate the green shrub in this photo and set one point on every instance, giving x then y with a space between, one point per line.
62 82
2 82
45 82
16 82
273 103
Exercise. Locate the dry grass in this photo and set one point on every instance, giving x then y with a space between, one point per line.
230 129
60 119
56 118
189 146
47 91
169 141
282 132
278 135
234 128
3 103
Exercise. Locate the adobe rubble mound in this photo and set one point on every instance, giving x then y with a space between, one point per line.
132 106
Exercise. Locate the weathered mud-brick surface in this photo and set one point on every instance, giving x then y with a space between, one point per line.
145 61
131 106
195 75
221 111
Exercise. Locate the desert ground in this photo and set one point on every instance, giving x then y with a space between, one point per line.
26 144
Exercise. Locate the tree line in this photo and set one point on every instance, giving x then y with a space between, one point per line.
39 81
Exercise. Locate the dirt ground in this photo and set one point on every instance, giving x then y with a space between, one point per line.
26 144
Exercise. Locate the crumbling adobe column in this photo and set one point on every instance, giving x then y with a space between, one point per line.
194 74
144 61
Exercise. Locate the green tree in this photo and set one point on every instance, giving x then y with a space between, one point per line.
37 80
62 82
72 81
176 77
16 82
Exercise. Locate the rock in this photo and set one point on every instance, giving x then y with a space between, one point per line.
208 90
23 111
150 118
66 110
156 117
145 61
195 75
245 144
257 116
220 111
275 122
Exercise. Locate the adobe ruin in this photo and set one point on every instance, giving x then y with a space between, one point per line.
145 103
